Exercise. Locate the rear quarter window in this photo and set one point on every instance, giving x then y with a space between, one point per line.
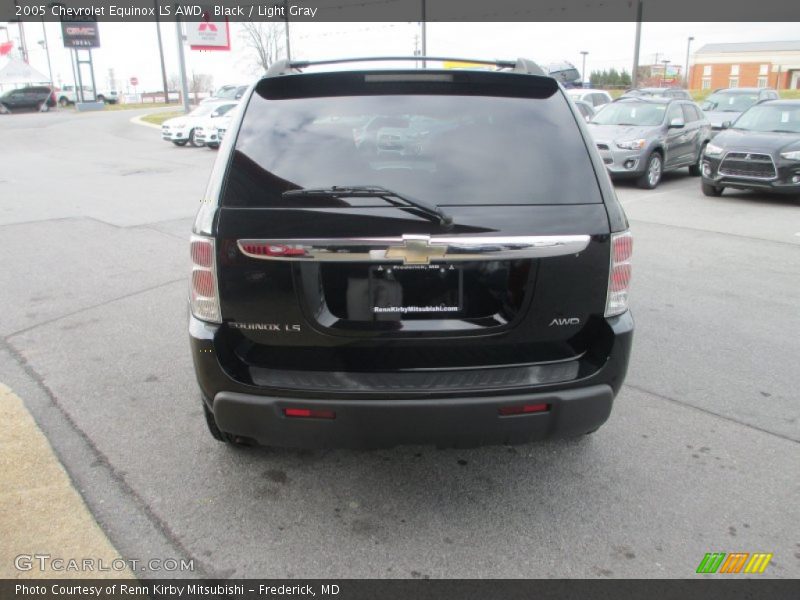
473 147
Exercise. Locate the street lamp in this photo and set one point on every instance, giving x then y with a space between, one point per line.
686 72
583 68
664 74
43 43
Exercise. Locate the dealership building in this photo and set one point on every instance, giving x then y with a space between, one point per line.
746 64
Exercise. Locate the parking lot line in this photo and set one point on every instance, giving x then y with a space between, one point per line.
41 513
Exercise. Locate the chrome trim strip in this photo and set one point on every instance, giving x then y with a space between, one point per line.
415 249
771 160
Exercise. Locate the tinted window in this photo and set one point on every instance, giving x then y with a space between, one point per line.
770 118
690 113
674 112
730 102
444 148
600 99
222 110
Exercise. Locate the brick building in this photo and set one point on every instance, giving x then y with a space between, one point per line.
746 64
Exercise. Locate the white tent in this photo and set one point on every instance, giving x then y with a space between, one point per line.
16 73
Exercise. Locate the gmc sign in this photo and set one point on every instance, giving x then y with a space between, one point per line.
80 34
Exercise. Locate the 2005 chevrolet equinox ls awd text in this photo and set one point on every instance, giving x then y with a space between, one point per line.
391 256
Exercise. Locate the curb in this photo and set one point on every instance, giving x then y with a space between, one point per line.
41 512
138 121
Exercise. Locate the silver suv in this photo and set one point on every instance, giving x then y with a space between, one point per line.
643 137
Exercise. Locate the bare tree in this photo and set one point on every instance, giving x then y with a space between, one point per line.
174 82
265 39
200 82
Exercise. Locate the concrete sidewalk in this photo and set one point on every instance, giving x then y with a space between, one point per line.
41 513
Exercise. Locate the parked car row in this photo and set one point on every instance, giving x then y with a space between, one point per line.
648 131
199 127
45 97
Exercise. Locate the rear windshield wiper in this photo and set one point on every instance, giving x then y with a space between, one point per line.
373 191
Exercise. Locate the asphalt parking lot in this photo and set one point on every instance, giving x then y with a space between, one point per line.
700 455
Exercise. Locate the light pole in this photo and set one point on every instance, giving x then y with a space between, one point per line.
46 47
664 74
686 72
286 30
583 68
161 52
636 44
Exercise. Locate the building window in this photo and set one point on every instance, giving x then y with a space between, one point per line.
733 82
763 69
762 82
734 70
706 70
706 85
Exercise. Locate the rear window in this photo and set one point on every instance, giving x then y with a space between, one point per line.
465 148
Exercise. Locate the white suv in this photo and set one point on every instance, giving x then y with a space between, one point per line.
595 98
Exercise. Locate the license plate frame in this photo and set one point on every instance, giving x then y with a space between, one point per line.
417 291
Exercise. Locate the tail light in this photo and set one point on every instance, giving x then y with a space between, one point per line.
309 413
619 276
203 292
523 409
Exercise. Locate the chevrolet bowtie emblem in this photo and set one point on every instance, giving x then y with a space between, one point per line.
416 251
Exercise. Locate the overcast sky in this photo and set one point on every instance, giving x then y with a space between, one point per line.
131 48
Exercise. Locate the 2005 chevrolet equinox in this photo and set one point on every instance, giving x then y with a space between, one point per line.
401 255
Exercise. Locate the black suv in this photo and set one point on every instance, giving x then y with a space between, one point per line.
760 151
34 97
457 276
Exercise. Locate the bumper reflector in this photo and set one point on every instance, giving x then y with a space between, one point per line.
307 413
523 409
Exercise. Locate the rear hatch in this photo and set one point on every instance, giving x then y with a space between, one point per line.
406 221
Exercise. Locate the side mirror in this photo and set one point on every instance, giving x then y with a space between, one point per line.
726 124
215 114
676 123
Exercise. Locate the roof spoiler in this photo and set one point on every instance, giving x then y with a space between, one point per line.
521 65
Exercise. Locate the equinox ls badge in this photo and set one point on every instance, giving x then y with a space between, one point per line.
273 327
565 321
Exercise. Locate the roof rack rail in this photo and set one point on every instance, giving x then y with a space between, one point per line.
286 67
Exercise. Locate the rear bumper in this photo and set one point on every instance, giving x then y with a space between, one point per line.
782 183
448 422
380 418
